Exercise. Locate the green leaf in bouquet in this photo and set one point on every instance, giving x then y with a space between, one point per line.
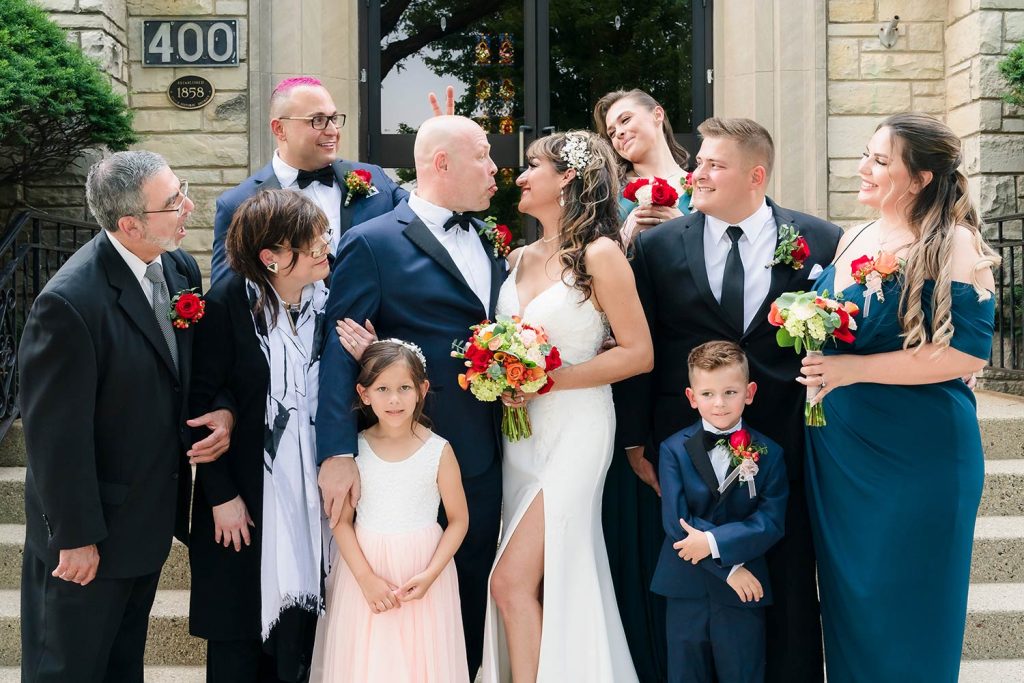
798 345
783 338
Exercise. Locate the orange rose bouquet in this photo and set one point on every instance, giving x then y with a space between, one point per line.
504 356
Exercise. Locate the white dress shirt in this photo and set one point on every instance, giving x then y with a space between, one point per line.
720 457
464 246
327 198
136 265
757 249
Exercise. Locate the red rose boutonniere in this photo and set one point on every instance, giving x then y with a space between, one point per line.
792 249
359 185
744 455
187 308
872 272
498 235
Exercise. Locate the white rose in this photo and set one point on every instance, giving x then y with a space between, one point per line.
643 195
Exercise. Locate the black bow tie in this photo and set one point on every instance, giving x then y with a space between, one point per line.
325 175
711 439
458 219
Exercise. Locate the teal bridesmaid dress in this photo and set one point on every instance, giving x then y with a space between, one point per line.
893 483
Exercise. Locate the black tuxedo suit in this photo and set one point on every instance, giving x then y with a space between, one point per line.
104 411
682 312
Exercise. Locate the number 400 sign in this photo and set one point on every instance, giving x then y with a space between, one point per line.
190 43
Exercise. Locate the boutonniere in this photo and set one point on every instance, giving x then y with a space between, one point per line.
872 272
359 185
498 235
187 308
792 249
744 455
686 182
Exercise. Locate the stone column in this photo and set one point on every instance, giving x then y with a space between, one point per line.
769 65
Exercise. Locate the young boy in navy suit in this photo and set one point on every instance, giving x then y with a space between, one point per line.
724 492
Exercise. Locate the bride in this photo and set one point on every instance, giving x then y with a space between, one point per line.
551 612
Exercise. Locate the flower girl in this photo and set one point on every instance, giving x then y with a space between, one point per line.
393 605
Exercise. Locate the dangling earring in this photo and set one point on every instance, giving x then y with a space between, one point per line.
561 197
272 267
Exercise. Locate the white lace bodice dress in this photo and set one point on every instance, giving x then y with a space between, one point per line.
567 458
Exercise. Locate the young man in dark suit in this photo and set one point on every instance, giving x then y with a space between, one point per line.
307 128
713 275
104 387
422 273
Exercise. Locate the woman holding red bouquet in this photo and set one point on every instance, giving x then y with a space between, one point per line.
645 148
895 477
551 614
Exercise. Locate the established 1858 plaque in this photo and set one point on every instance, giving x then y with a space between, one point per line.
190 92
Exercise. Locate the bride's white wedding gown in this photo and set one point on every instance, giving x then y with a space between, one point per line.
567 458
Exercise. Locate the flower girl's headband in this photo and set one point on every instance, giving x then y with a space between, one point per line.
576 151
417 351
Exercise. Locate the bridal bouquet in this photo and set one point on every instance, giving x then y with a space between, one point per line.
507 355
806 320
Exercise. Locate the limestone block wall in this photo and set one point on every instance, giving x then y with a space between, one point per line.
978 33
209 147
867 82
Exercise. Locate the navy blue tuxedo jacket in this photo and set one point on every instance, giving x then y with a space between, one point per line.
744 527
393 271
359 211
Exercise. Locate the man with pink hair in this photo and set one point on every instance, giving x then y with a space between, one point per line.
307 128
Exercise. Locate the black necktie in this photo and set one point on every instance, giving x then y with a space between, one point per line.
732 281
711 439
460 220
325 175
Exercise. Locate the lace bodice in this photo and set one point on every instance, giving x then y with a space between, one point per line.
573 325
399 496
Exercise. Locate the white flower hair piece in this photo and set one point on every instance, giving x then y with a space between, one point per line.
407 344
576 152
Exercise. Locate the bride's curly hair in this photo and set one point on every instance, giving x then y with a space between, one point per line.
924 143
591 202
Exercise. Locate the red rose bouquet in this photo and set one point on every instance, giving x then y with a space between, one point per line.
651 191
504 356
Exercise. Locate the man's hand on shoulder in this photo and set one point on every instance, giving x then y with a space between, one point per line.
78 565
339 477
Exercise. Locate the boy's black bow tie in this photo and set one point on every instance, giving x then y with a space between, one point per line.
711 439
325 175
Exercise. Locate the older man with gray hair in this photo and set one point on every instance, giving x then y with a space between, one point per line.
104 383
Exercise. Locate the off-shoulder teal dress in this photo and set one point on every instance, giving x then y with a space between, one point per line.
893 485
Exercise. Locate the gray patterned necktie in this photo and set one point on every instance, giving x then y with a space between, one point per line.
162 306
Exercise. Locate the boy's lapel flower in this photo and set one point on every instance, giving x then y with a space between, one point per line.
359 184
792 250
187 308
744 454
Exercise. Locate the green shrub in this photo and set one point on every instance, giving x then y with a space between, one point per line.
1012 68
55 103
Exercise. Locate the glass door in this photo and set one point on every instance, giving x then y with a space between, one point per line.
524 69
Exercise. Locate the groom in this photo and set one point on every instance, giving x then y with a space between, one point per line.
704 277
422 273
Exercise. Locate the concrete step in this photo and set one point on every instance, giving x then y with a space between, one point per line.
1004 488
12 495
992 671
154 674
1001 418
995 621
175 574
998 550
168 643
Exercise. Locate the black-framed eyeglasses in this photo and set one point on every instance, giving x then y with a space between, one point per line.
313 252
319 121
181 205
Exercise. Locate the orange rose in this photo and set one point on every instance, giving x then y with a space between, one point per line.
514 373
775 317
533 374
886 264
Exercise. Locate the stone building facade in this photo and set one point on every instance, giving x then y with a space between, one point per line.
814 72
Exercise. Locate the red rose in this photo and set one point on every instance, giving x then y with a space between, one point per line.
553 360
800 251
864 262
188 306
503 233
663 194
363 175
842 332
547 387
739 439
480 358
630 191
